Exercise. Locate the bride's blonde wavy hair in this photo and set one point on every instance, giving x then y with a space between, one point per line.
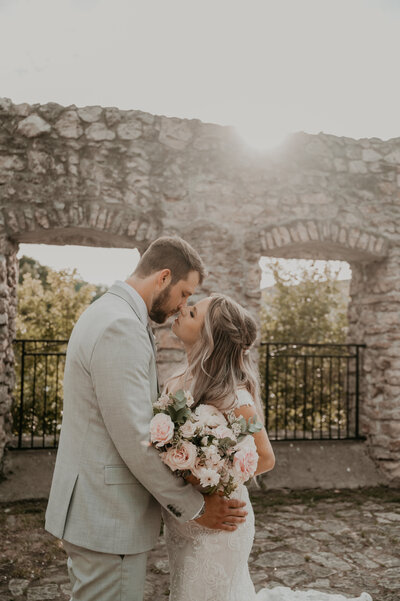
220 362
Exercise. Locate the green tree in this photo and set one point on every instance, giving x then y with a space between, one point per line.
302 390
305 306
50 310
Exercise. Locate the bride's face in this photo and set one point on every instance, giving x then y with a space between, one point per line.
187 326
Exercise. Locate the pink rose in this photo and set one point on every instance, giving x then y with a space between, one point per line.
182 458
245 462
161 429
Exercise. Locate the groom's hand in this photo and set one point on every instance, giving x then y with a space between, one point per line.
222 513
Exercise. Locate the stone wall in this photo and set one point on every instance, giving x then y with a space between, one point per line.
105 177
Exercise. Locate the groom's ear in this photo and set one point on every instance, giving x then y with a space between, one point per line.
164 278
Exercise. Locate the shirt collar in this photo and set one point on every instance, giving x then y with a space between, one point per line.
144 315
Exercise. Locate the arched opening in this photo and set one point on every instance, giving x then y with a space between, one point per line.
308 366
56 283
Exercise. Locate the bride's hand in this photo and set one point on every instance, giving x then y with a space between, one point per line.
222 513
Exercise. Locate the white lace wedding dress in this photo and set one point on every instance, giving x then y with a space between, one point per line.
210 565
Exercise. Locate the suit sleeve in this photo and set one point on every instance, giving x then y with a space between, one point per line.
119 369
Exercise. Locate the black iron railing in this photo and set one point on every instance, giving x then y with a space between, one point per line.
38 393
311 391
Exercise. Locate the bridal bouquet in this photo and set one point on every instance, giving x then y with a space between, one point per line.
218 451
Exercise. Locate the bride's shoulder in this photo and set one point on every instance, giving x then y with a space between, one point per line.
172 381
243 397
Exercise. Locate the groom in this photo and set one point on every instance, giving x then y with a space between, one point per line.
107 486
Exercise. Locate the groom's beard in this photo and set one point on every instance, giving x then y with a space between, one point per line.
158 311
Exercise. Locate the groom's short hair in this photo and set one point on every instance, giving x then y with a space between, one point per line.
172 253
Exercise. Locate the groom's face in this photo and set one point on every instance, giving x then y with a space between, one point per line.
170 300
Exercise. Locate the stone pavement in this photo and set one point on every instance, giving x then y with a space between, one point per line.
338 541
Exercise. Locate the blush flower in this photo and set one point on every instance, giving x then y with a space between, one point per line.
188 429
182 458
163 402
224 432
245 461
210 416
208 477
161 429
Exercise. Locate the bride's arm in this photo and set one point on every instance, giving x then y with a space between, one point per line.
266 455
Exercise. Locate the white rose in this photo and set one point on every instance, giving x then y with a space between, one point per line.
224 432
208 477
163 402
209 415
188 429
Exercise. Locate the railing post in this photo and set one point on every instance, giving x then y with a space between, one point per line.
357 389
21 402
266 386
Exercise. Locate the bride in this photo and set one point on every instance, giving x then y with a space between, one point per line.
206 564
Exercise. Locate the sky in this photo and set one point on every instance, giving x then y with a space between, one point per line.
267 67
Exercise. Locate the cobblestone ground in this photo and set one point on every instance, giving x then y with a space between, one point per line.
343 541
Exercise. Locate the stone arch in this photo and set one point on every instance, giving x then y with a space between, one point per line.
323 239
93 225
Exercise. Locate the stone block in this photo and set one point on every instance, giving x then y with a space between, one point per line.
5 104
41 593
354 235
41 218
284 234
99 132
11 163
340 164
33 126
369 155
174 133
129 131
393 157
363 241
313 230
90 114
343 235
17 586
270 241
334 232
69 125
303 232
357 167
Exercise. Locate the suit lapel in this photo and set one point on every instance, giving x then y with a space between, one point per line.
122 293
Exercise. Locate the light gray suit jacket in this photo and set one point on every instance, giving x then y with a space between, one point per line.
107 487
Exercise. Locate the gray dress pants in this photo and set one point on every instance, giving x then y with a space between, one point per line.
104 576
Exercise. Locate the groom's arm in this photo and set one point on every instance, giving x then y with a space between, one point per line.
119 368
